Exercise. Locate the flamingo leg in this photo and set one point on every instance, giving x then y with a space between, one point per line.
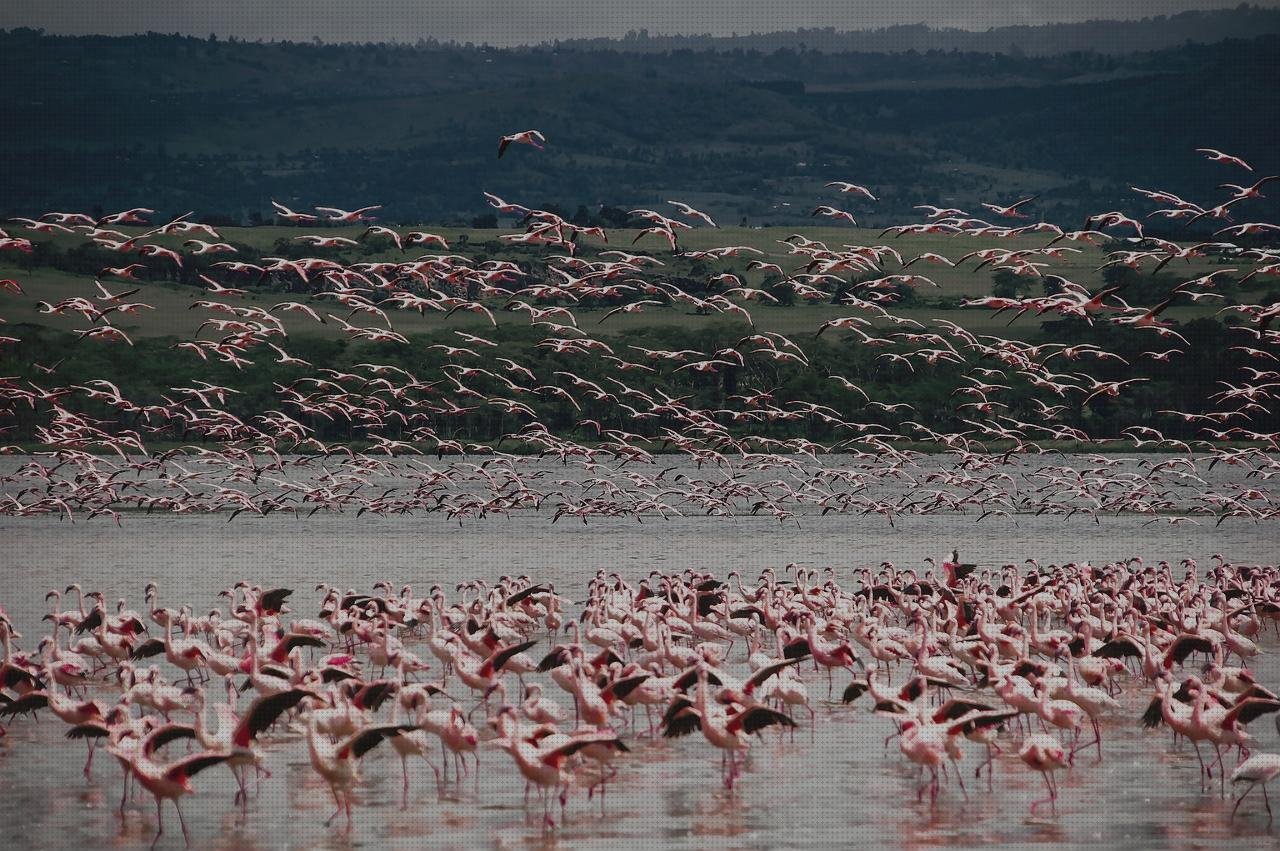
1053 794
404 785
960 777
337 809
241 794
992 750
435 770
1222 773
185 836
159 820
1240 800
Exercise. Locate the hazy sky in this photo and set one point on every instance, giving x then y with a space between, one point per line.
503 22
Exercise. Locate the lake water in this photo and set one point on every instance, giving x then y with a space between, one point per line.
834 784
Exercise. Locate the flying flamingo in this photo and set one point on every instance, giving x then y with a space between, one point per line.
1220 157
526 137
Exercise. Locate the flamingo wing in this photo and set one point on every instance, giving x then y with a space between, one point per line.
30 702
768 671
147 649
520 596
503 655
271 601
681 719
1251 708
264 711
367 739
981 721
89 730
956 708
555 756
623 687
193 765
853 691
757 718
166 734
1118 648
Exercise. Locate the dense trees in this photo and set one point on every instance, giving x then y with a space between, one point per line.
180 122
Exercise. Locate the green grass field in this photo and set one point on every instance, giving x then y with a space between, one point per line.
173 314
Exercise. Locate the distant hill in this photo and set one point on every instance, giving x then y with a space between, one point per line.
222 127
1099 36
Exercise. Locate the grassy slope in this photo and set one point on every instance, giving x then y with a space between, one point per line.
173 315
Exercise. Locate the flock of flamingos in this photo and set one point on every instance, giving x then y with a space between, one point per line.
609 423
1024 667
1036 663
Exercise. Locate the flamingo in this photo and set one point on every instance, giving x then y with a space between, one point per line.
1219 157
164 780
726 729
1257 770
338 762
1045 754
532 138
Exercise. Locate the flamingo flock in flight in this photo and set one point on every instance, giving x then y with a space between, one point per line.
1019 667
643 407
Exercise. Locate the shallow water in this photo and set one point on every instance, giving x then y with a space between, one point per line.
835 784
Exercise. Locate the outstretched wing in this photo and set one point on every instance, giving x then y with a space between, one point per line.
89 730
757 718
193 765
520 596
768 671
1118 648
272 600
1251 708
503 656
853 691
367 739
796 649
623 687
680 719
554 757
981 721
166 734
30 702
148 648
557 657
264 711
956 708
1184 645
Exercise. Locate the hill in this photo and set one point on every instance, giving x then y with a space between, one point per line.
1100 36
183 123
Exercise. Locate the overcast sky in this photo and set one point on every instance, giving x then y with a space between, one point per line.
503 22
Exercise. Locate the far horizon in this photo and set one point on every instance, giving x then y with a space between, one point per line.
501 24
